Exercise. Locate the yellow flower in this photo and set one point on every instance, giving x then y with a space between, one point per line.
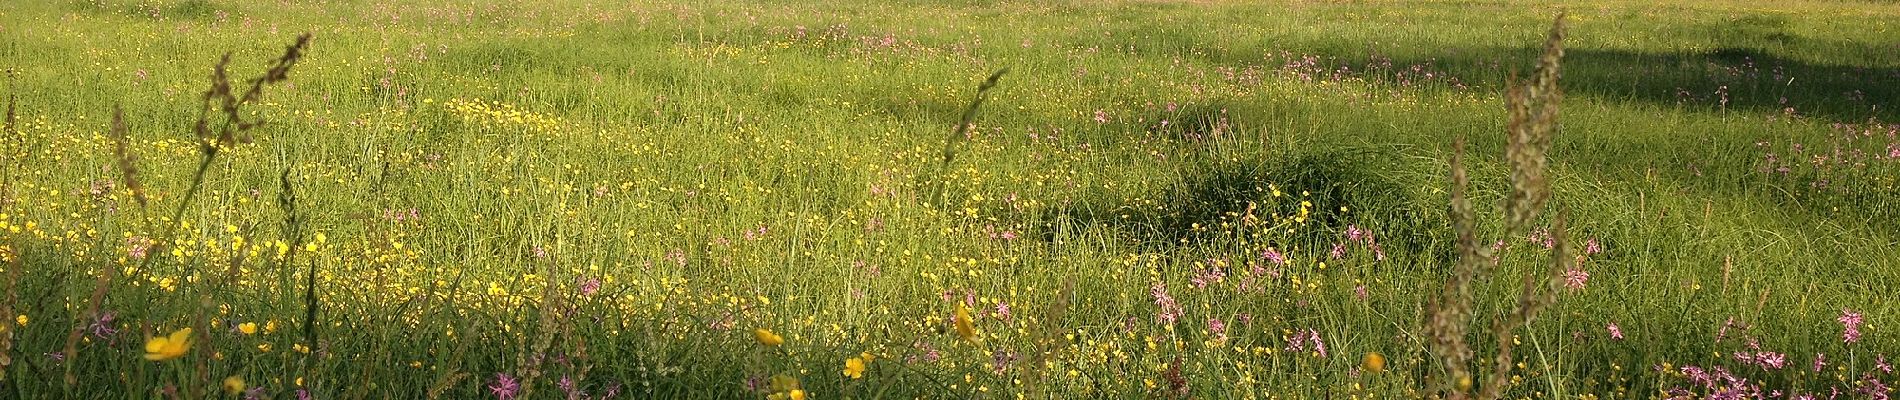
766 337
785 388
21 319
854 367
782 383
966 329
233 385
248 328
1373 362
168 347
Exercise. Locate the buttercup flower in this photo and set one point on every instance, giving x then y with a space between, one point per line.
786 388
233 385
766 337
854 367
1374 362
966 329
168 347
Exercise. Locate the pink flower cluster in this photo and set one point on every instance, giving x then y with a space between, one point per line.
1850 324
1167 309
1302 339
1355 235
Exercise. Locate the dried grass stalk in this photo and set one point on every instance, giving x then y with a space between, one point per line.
961 133
1532 108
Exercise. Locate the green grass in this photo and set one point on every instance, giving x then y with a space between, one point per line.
721 167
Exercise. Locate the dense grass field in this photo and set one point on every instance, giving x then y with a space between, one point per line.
1159 199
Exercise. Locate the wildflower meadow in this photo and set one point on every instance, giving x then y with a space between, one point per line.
969 199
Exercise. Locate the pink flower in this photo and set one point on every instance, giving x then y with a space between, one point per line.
1542 236
1697 375
1615 331
1771 360
1591 247
505 387
1001 360
1575 278
1207 276
139 245
1274 256
1303 338
1820 361
1101 117
572 389
590 286
1850 322
1319 346
1168 309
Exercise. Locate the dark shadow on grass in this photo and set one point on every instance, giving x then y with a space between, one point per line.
1329 190
1734 80
1741 83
